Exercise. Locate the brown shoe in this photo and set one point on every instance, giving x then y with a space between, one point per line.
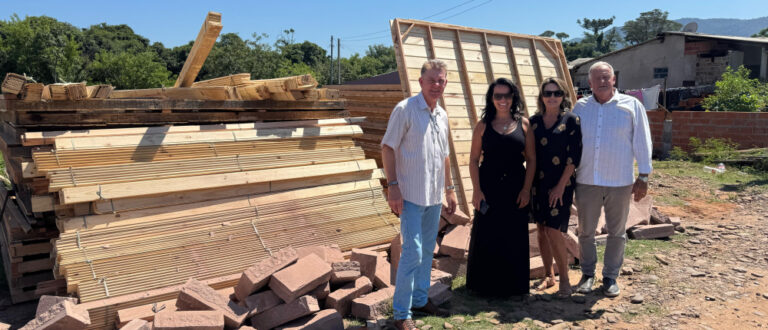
431 309
406 324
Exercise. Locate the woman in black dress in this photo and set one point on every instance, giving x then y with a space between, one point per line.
498 262
558 152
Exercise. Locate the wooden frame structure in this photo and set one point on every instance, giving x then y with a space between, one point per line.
475 58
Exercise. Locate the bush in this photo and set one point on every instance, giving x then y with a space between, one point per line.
678 153
713 149
735 91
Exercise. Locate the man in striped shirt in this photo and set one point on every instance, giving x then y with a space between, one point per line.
415 153
615 134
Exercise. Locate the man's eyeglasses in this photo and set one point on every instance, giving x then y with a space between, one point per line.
498 97
553 93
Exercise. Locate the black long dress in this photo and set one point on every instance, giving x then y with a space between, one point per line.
498 264
556 147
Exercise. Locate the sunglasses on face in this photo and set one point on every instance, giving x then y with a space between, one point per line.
553 93
498 97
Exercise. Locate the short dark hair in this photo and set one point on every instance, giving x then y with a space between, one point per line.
489 112
565 105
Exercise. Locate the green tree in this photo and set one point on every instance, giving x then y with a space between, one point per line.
735 91
562 35
112 39
763 33
41 47
129 71
385 55
648 25
595 34
547 33
230 55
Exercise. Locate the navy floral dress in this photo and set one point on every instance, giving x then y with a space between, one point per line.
556 147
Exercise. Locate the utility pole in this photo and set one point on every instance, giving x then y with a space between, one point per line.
338 57
330 74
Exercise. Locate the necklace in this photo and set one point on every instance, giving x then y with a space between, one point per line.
508 125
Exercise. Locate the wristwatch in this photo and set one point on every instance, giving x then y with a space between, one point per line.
393 183
451 187
643 178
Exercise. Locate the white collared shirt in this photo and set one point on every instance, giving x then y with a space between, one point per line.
419 138
614 135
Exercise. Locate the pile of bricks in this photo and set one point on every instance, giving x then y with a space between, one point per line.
645 221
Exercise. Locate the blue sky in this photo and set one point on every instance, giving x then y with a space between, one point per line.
361 23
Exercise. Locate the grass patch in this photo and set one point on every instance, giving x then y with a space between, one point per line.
734 179
642 251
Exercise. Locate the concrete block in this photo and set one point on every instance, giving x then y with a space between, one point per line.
457 218
329 253
533 241
257 276
341 299
321 291
439 276
262 301
367 260
373 305
137 324
601 239
46 302
439 293
189 320
456 241
658 218
395 248
572 244
300 278
382 277
285 313
639 212
63 315
327 319
652 231
537 268
449 265
344 271
196 296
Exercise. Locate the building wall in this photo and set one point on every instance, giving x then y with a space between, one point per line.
635 66
748 129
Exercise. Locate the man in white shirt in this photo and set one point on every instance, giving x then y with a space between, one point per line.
615 133
415 152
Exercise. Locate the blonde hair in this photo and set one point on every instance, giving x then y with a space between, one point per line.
433 64
565 105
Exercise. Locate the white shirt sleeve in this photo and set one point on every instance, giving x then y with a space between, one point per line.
396 127
642 144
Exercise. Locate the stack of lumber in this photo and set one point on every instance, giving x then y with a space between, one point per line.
375 103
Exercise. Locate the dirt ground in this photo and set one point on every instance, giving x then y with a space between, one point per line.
713 276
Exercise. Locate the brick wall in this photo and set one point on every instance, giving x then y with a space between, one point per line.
748 129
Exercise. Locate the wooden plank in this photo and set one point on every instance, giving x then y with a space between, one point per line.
513 63
90 105
372 87
13 83
204 42
231 80
215 93
143 188
161 139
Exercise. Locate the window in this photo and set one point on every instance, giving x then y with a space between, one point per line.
659 73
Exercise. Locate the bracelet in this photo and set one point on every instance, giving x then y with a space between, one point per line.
393 183
450 188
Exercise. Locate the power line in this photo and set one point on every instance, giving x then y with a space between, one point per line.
466 10
449 9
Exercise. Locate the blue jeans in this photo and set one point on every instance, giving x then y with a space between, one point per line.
418 227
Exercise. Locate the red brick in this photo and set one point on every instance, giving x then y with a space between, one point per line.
327 319
137 324
329 253
345 271
456 241
382 278
304 276
367 260
537 267
196 296
652 231
373 305
439 293
64 315
257 276
321 291
46 302
284 313
189 320
262 301
457 218
341 299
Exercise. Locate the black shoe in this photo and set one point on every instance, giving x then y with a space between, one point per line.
610 287
585 284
